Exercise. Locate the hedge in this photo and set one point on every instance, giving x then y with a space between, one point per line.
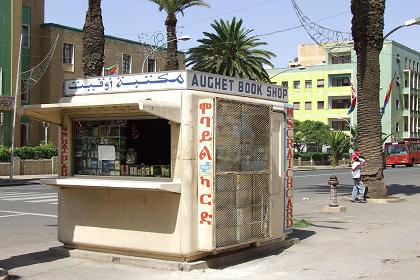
317 156
27 152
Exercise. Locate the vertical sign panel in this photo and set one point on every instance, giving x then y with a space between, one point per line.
289 168
64 153
205 174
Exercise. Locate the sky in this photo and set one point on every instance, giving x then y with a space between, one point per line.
274 21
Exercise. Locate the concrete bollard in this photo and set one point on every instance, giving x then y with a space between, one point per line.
333 182
333 206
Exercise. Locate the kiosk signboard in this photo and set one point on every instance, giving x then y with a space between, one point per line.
176 80
205 174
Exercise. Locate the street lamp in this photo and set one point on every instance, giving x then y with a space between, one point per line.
409 22
180 38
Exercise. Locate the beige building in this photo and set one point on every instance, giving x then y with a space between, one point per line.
130 57
27 17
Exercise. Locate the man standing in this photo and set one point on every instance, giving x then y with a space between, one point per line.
358 193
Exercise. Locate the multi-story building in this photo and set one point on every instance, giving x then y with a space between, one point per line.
320 81
26 17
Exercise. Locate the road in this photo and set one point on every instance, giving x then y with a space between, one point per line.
312 186
331 247
28 213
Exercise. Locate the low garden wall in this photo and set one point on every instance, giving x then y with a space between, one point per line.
30 166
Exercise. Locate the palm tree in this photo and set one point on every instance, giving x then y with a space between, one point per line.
93 40
339 144
231 52
172 7
367 31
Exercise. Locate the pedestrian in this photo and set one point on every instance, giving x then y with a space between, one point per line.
358 193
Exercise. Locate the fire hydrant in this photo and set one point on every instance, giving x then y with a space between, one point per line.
333 191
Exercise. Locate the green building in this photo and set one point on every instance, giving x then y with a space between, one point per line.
319 85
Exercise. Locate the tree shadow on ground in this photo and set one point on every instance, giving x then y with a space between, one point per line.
301 234
29 259
228 259
403 189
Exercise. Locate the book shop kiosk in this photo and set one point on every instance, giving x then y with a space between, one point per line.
171 165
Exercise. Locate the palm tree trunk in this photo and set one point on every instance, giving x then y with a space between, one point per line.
93 40
367 31
172 43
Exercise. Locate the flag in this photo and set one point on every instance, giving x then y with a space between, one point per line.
353 100
388 95
111 70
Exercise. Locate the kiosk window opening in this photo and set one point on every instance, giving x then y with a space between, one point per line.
139 147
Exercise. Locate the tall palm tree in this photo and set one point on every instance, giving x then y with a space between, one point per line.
93 40
231 52
367 31
172 7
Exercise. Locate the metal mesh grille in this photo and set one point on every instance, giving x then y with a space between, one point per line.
243 153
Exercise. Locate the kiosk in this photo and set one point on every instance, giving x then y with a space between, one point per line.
172 165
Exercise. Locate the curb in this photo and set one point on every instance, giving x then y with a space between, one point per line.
390 199
3 274
217 261
19 182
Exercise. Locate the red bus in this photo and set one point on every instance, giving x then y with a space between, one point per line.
406 152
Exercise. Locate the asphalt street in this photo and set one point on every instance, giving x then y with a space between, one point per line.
368 241
28 213
311 187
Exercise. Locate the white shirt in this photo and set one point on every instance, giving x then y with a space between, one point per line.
356 166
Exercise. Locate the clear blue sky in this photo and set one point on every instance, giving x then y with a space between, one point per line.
134 19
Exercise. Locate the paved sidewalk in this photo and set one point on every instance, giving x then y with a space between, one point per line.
369 241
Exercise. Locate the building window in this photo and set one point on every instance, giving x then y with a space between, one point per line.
121 147
24 134
126 64
340 125
320 83
296 84
406 100
296 105
308 84
151 65
26 36
285 84
24 91
340 103
397 104
68 53
406 78
341 58
308 105
405 124
340 81
320 105
397 127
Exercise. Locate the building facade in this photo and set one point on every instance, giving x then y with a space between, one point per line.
320 86
127 56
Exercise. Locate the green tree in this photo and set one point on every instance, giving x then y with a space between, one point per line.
231 51
172 7
367 31
339 144
93 40
310 133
